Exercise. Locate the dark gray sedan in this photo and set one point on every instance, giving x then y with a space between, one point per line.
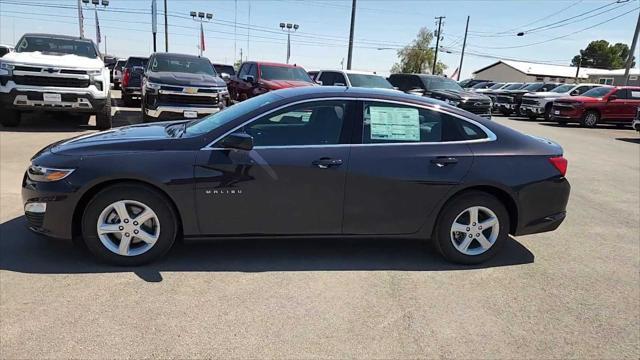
305 162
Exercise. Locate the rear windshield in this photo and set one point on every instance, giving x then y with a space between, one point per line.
533 86
514 86
597 92
57 46
182 65
497 86
227 69
137 62
120 64
270 72
481 85
436 83
369 81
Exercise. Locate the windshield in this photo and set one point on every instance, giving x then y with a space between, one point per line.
132 62
481 85
369 81
436 83
563 88
227 69
597 92
497 86
187 65
533 86
120 64
270 72
220 118
514 86
49 45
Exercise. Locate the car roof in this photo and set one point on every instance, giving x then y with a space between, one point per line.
274 64
56 36
220 64
176 55
351 72
359 92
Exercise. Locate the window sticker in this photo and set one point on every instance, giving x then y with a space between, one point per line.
389 123
635 94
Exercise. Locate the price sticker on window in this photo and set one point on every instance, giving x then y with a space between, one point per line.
391 123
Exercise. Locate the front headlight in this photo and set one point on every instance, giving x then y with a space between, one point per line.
45 174
452 102
94 72
6 68
153 86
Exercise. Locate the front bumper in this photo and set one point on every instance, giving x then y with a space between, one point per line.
28 99
169 112
532 109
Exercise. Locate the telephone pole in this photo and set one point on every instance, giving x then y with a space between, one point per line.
166 28
631 52
353 20
464 45
435 59
80 19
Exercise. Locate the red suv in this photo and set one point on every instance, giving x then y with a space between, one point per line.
255 78
605 104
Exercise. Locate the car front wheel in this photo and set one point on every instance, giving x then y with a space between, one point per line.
129 225
590 119
471 228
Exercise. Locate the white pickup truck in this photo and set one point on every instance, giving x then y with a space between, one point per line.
54 73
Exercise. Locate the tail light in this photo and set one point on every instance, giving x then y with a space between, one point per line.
125 77
559 163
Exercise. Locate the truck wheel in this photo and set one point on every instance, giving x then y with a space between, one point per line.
103 118
83 119
145 118
10 118
590 119
547 112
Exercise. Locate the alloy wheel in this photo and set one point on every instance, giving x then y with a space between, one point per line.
475 230
128 227
590 119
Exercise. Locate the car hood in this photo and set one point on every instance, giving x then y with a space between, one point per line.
186 79
459 95
115 140
63 61
574 99
283 84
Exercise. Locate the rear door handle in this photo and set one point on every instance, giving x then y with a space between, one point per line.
442 161
325 163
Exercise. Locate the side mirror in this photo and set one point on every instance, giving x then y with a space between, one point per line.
319 82
612 97
225 76
237 141
249 79
574 93
339 84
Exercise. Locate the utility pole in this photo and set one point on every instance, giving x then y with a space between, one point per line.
464 45
631 52
105 44
166 28
353 20
154 22
578 69
435 59
80 19
235 32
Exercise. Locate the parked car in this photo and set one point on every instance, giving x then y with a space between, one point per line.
636 122
132 72
604 104
286 163
444 89
352 78
55 73
110 63
493 87
256 78
493 93
178 86
482 85
467 83
509 101
117 73
225 71
5 49
539 104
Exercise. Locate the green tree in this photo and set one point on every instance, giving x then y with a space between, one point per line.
418 56
602 55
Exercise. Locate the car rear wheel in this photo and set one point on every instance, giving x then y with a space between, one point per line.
129 225
10 118
103 118
590 119
471 228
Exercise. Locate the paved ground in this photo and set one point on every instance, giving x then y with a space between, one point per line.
571 293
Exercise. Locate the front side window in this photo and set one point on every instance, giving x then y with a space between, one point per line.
271 72
597 92
311 123
514 86
583 89
58 46
391 123
369 81
562 88
244 69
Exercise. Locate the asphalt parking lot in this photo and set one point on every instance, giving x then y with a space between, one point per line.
572 293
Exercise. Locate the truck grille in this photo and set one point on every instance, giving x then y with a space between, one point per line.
187 99
504 99
50 81
476 109
526 101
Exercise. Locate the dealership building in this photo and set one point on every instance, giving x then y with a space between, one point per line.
520 71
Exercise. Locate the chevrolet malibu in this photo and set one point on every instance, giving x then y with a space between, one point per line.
305 162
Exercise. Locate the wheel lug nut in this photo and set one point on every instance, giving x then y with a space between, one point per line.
121 228
126 221
474 224
468 229
479 227
135 223
470 235
135 231
126 234
477 235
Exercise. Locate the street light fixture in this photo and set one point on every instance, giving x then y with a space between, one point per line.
288 27
201 17
95 4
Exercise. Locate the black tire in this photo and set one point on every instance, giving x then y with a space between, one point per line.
442 232
590 119
83 119
547 112
103 118
140 193
533 117
145 118
505 112
10 118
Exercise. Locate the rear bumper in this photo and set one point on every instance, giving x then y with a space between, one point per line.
542 206
132 91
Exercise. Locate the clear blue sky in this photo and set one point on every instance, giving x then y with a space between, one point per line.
382 26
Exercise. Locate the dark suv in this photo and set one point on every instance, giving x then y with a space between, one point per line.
509 101
132 79
444 89
178 86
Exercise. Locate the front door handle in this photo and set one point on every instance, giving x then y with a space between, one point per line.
325 163
442 161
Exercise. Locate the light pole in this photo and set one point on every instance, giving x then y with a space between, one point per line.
201 17
95 3
289 27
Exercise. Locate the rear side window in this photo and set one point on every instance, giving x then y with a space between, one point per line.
633 94
327 78
391 123
406 82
